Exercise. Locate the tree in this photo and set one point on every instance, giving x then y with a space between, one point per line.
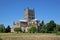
8 29
51 26
39 29
17 30
33 29
42 27
42 23
58 28
2 28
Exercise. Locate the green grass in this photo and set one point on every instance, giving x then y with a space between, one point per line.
29 36
24 34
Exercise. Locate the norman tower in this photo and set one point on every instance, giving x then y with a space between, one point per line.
29 20
29 14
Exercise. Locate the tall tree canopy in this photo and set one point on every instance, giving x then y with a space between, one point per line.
51 26
8 29
2 28
40 27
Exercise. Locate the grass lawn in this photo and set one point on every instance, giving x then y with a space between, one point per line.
29 36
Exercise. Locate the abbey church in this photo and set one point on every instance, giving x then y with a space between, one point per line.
29 20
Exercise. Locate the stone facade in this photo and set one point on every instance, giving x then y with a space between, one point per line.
29 20
29 14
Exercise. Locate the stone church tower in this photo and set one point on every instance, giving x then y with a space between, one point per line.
29 20
29 14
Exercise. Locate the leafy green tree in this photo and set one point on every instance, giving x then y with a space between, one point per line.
8 29
17 30
33 29
42 23
2 28
51 26
43 29
40 27
57 28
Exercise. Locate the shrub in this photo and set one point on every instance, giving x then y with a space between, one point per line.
17 30
33 29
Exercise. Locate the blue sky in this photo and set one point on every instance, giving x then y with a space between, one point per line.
13 10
